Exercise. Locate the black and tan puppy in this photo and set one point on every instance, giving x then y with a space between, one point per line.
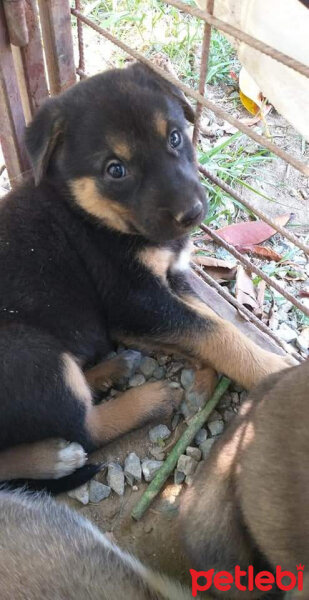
249 504
93 251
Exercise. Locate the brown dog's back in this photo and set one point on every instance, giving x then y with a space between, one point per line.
249 504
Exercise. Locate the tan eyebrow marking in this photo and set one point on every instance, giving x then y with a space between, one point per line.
160 124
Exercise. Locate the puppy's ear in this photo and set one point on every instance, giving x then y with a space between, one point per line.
144 73
42 137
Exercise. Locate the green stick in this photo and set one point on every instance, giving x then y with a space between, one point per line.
170 463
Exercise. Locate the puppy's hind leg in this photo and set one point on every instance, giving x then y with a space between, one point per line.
49 459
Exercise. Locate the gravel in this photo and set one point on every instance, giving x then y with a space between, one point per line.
137 380
133 469
186 464
216 427
115 478
187 378
98 491
201 436
205 447
159 433
148 366
150 467
194 453
81 494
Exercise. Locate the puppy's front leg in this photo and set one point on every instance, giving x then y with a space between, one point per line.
184 323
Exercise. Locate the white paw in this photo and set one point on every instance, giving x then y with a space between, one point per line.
70 457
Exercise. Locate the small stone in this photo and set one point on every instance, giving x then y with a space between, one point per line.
186 464
206 446
150 467
179 477
174 385
201 436
187 378
157 453
287 333
81 494
175 421
243 396
133 360
115 478
189 480
195 401
159 433
162 360
159 373
132 468
303 340
194 453
185 410
134 488
137 380
214 416
147 366
98 491
216 427
228 415
235 398
148 528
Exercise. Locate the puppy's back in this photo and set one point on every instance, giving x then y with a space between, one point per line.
48 551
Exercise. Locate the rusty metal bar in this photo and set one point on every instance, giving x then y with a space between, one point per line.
229 190
255 269
16 22
242 36
58 44
80 37
243 310
302 167
32 60
12 121
203 73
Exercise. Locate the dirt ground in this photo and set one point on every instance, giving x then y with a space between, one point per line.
154 539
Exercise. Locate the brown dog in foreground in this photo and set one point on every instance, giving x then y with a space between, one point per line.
249 504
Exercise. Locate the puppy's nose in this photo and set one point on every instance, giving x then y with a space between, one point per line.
185 219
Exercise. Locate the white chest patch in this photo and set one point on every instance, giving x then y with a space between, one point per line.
182 261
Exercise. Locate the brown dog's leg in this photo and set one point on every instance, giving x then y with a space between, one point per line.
49 459
130 410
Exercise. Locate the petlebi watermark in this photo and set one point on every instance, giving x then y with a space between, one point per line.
248 580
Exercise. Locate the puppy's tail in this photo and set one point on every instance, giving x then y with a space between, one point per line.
57 486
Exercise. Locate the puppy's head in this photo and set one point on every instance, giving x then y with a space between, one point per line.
119 142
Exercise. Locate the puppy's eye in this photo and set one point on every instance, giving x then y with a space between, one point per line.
116 169
175 138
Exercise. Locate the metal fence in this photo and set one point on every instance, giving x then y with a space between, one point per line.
42 62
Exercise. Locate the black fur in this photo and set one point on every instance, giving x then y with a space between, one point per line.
68 282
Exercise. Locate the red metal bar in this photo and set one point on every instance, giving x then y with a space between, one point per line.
203 72
300 166
241 35
33 60
12 121
57 34
16 22
255 269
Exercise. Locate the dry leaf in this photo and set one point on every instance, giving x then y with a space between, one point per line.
220 270
249 233
260 293
261 251
249 104
245 290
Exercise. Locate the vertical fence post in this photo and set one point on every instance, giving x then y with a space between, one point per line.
203 71
56 26
12 121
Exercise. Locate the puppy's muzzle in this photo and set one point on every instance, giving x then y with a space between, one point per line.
191 217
